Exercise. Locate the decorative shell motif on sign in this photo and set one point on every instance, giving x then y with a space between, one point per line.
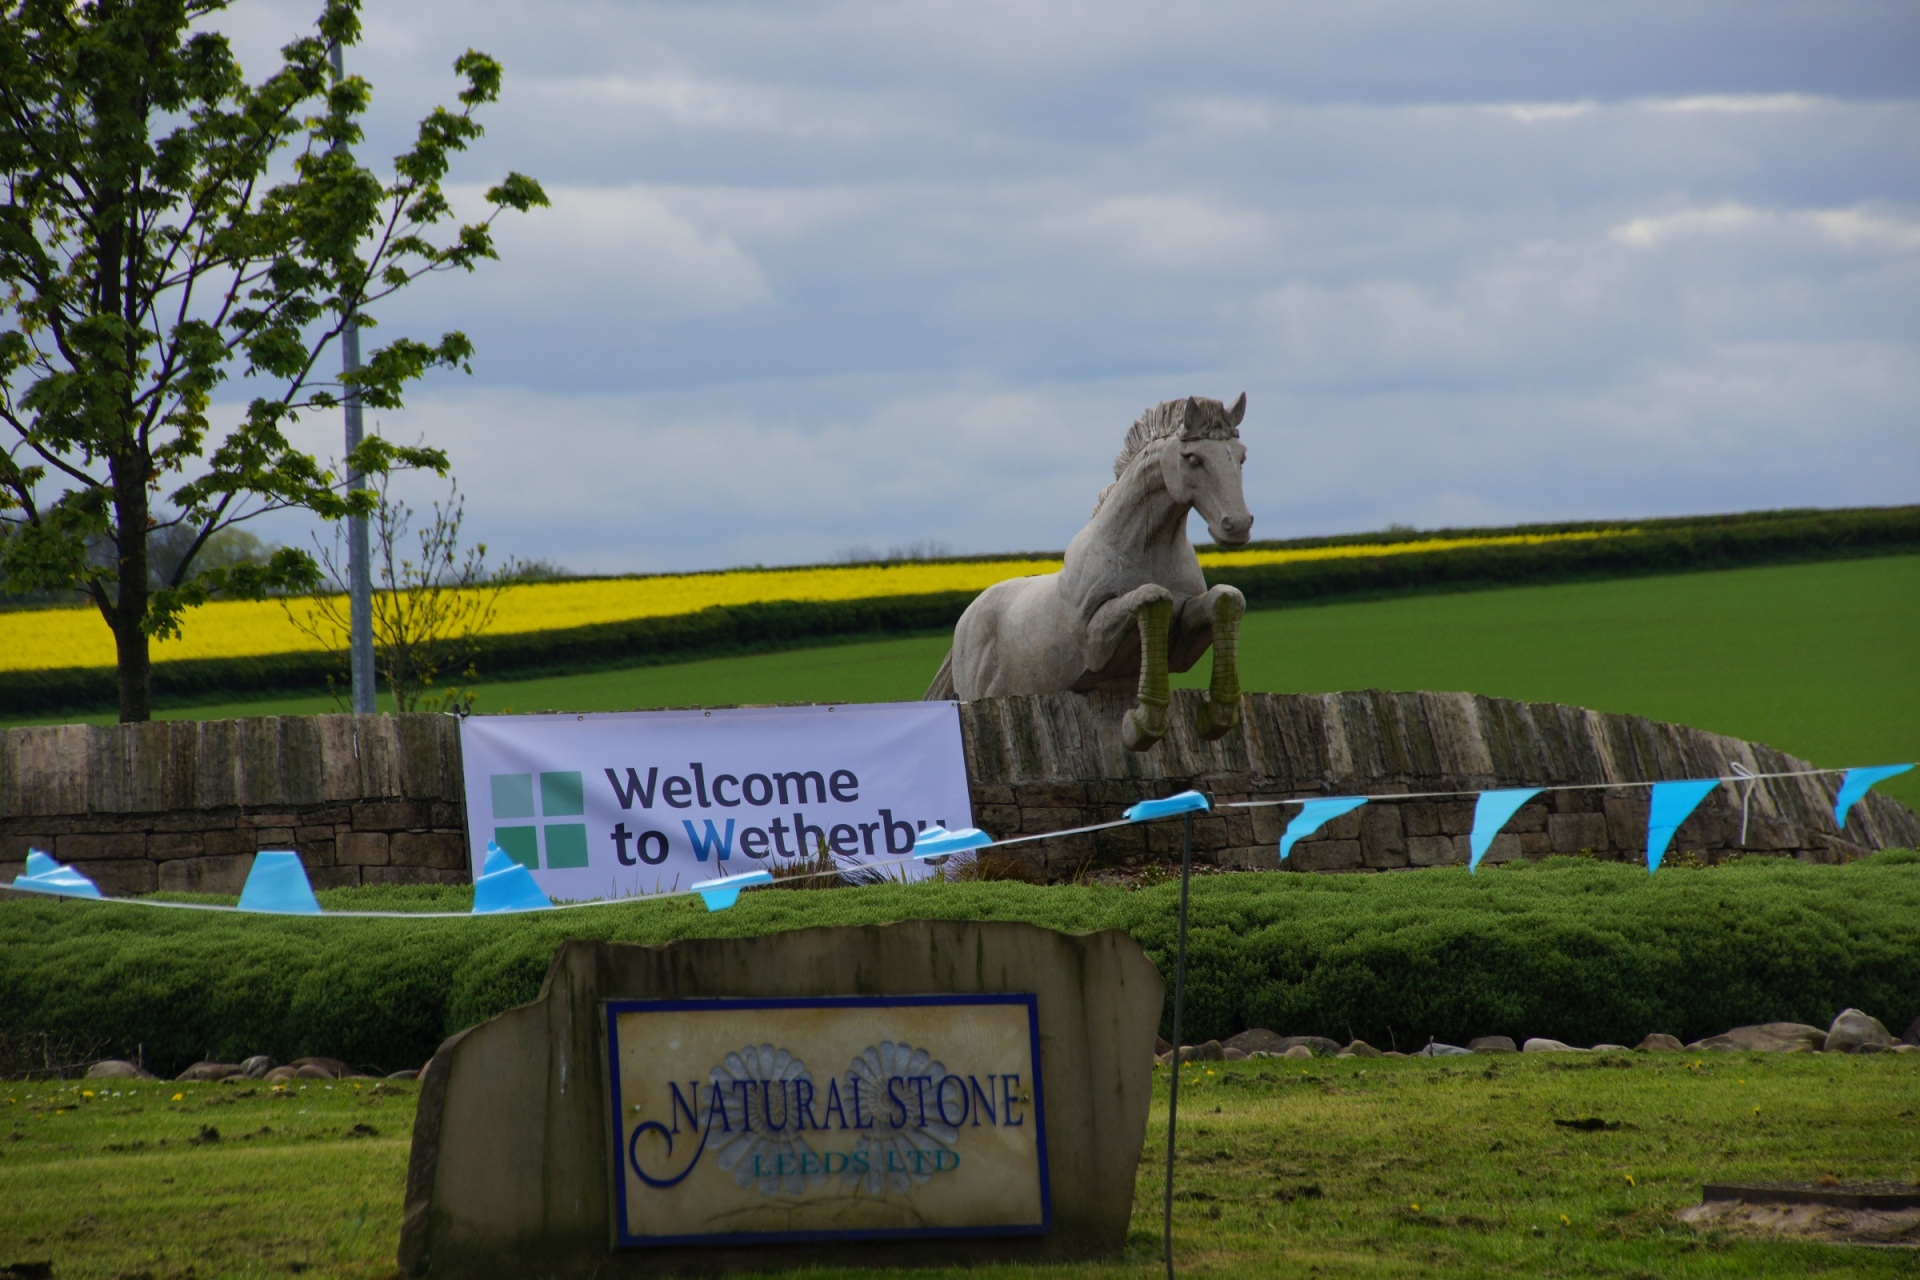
924 1133
765 1131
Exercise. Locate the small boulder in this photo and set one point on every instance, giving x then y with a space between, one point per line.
1905 1048
1540 1044
1261 1040
1660 1042
311 1072
1609 1048
1493 1044
1298 1052
1211 1051
117 1069
280 1075
1160 1045
1767 1037
1913 1034
1231 1054
209 1071
414 1075
334 1068
1434 1049
1855 1032
257 1066
1361 1049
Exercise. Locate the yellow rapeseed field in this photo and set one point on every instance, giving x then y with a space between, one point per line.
40 639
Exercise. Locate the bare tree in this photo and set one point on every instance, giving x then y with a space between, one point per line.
429 607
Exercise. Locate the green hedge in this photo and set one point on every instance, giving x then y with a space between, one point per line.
1580 951
1684 545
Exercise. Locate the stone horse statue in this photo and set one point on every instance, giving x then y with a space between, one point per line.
1129 603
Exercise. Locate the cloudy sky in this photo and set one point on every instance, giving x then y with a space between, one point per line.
828 275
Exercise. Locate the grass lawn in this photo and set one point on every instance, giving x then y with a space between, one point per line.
1352 1167
1817 659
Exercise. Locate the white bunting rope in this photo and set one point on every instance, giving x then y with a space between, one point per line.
278 885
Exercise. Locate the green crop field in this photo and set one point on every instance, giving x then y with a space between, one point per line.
1334 1167
1822 660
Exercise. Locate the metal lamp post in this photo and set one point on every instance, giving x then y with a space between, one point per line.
359 547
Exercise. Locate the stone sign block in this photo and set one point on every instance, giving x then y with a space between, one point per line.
842 1118
529 1156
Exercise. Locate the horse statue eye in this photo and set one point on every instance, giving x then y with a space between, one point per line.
1195 460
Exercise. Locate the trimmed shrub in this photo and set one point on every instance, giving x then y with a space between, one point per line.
1578 951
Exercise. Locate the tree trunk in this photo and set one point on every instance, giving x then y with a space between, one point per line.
130 607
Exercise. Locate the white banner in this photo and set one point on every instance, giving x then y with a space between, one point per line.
615 806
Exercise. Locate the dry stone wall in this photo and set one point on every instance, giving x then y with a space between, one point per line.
183 805
1047 763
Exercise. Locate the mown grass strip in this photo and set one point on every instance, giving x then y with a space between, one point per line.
1357 1167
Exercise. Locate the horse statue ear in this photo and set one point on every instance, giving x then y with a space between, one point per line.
1239 411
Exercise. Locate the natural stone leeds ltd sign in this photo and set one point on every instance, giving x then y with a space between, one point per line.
848 1118
923 1093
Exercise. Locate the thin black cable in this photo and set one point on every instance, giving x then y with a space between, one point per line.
1179 994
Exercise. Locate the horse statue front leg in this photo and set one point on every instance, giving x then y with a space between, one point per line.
1212 620
1149 609
1146 724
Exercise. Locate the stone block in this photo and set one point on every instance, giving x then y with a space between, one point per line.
392 815
509 1172
14 845
1535 844
1626 822
231 841
313 835
176 844
1344 827
1249 857
1381 835
1577 832
1430 851
413 875
274 837
1420 817
1325 855
999 819
120 878
362 849
333 877
205 875
1529 818
91 846
1456 817
440 850
1506 847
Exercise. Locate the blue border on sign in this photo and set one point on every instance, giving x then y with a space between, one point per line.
627 1240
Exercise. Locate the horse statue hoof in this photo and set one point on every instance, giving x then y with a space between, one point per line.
1145 725
1216 720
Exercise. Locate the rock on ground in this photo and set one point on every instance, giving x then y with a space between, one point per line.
118 1069
1855 1032
1805 1222
1661 1042
1261 1040
209 1071
1361 1049
1540 1044
1913 1034
1768 1037
1493 1044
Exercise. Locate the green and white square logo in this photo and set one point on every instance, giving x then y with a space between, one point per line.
562 795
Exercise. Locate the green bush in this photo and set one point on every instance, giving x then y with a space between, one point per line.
1580 951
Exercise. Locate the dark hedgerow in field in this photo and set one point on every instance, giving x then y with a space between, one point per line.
1580 951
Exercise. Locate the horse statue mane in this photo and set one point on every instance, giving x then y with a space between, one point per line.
1191 418
1129 603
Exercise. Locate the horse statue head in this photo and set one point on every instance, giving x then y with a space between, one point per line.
1129 602
1195 443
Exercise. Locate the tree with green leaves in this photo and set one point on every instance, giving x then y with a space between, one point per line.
169 226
